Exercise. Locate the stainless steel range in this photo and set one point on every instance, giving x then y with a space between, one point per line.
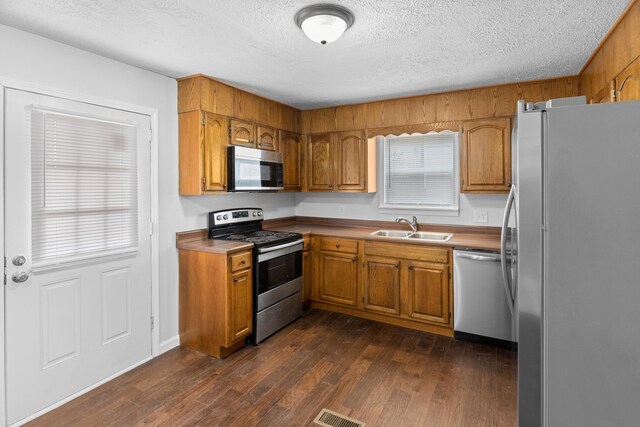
277 275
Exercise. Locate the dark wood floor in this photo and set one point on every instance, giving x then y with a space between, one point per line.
380 374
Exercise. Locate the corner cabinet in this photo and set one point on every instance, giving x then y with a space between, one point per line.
202 153
216 301
485 156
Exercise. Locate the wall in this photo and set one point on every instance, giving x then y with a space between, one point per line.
617 50
42 62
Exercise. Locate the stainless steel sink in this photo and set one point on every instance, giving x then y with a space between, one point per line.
391 233
436 237
421 235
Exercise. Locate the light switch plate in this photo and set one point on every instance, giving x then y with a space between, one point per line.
480 217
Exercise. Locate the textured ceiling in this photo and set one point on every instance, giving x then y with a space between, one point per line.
395 47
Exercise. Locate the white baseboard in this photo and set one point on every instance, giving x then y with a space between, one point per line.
80 393
167 345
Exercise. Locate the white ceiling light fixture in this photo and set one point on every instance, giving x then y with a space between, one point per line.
324 23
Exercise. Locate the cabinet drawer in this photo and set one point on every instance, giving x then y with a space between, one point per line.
339 245
408 251
240 261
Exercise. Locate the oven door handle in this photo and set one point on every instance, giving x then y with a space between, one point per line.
275 248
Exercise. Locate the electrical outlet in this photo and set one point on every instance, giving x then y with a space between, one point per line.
480 217
340 209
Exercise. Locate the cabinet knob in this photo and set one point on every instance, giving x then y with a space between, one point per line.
410 267
243 262
397 265
236 280
354 259
337 246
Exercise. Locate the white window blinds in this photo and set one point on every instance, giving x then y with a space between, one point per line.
84 188
420 171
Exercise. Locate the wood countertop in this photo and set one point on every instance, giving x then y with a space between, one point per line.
470 240
483 238
197 241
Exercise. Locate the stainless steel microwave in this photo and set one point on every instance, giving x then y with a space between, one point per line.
250 169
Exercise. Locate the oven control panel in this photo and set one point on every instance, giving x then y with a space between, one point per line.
234 216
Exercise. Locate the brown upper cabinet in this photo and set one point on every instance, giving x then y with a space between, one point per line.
351 161
319 161
213 115
341 161
267 138
485 156
242 133
628 83
203 157
291 148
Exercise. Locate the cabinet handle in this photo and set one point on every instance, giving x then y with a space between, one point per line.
337 246
410 267
236 280
354 259
243 262
397 265
260 143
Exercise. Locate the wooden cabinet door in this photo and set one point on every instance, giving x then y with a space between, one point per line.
428 292
605 95
351 161
381 285
267 138
291 149
242 133
485 157
628 83
214 152
239 306
319 162
306 276
338 278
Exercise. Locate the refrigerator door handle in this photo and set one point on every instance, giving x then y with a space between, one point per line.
506 278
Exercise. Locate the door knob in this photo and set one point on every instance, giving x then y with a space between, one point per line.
18 260
19 277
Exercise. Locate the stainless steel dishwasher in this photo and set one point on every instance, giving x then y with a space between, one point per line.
480 304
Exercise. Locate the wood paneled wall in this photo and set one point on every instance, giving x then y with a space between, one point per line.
617 50
202 93
481 103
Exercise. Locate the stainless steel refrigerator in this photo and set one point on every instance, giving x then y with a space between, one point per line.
572 262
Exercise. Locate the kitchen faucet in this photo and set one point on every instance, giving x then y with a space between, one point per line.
413 224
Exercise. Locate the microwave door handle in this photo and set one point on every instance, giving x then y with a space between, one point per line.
506 278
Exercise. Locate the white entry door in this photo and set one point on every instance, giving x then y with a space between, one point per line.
78 251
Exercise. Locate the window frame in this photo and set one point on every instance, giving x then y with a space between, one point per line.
453 210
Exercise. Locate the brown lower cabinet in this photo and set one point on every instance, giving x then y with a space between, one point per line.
337 277
403 284
216 301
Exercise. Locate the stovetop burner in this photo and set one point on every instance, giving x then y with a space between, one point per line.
245 225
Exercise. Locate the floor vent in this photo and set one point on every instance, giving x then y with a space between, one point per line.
329 418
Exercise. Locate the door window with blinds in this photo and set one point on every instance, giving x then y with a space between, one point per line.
84 200
421 172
